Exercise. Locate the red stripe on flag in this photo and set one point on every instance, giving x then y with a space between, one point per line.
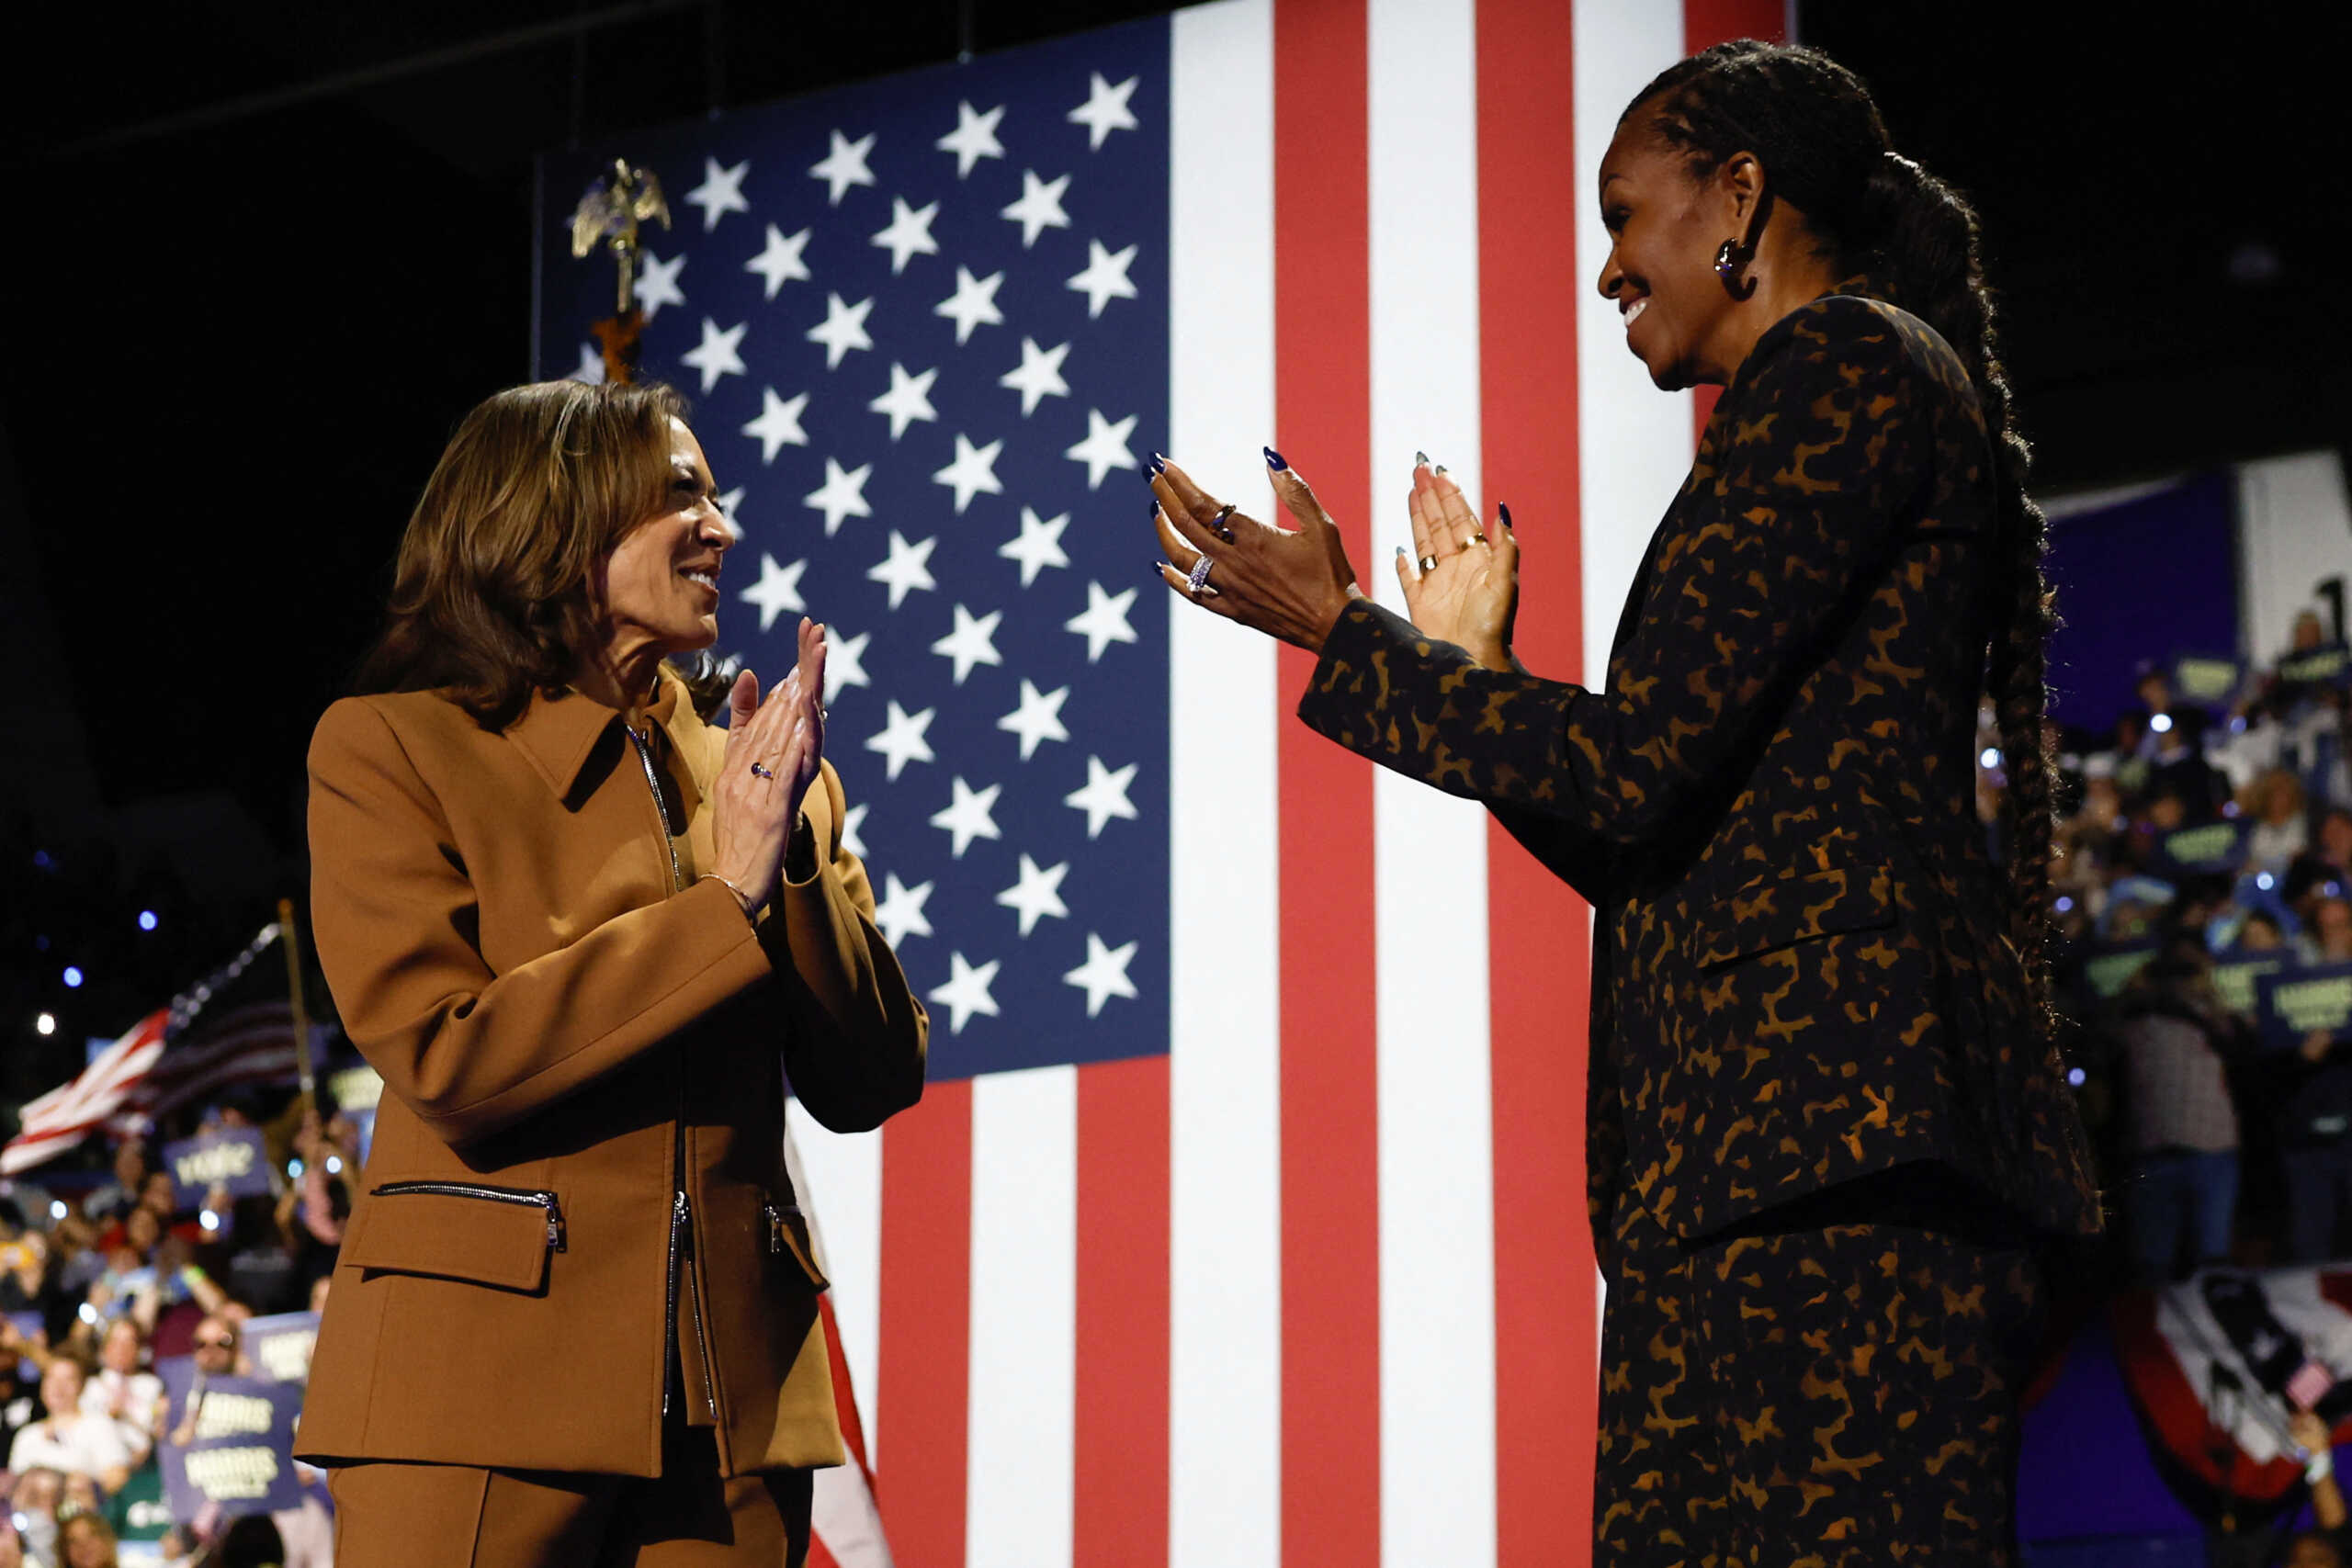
1119 1488
1545 1333
1706 23
925 1368
1330 1159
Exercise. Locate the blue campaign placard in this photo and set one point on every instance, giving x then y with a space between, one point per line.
2304 1001
237 1451
280 1344
2210 846
2237 975
2328 665
231 1158
2108 971
2206 680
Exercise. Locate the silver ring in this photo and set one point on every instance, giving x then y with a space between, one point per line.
1198 577
1427 563
759 772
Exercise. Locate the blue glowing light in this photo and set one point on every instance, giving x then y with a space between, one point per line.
146 919
2075 1076
2161 722
2264 881
2065 903
73 977
1990 758
41 859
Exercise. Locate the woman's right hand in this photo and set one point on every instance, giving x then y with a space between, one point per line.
752 815
1470 596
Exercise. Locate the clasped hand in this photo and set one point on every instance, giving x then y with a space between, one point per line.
1295 584
754 814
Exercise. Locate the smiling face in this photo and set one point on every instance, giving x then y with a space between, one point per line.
658 589
1665 229
216 1347
119 1349
60 1386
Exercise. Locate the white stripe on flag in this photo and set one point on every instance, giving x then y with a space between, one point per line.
844 1197
1629 435
1225 1198
1019 1500
1437 1329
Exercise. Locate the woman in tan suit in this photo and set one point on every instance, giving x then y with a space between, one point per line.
585 937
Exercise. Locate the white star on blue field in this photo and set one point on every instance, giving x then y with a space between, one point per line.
922 323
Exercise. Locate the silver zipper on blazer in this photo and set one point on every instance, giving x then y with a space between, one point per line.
539 1199
661 812
681 1208
682 1239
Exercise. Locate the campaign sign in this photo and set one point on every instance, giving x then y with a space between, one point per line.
2108 972
2318 667
240 1453
280 1344
2296 1003
2214 846
2235 978
2208 682
231 1158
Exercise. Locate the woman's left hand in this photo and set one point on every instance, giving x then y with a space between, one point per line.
1468 594
1288 585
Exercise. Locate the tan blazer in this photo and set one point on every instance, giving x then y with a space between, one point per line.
579 1153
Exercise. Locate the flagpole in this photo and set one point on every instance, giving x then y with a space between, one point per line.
292 935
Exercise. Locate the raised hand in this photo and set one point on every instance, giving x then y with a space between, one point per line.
1469 594
1288 585
773 749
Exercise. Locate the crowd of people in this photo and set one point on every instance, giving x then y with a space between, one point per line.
106 1278
2205 845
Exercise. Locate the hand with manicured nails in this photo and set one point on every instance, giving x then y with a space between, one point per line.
1470 597
1288 584
752 817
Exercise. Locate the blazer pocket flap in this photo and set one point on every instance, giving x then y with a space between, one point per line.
788 1235
450 1237
1781 911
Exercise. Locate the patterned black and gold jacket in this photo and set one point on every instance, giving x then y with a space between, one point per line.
1801 967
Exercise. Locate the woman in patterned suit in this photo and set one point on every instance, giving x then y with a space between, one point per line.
1827 1127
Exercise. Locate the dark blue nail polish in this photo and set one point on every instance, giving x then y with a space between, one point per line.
1421 459
1158 461
1504 508
1274 461
1160 569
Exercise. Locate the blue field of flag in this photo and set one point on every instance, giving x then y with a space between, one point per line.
922 323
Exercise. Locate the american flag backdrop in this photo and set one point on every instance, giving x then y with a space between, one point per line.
1242 1222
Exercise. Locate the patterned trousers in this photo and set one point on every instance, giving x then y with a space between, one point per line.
1831 1385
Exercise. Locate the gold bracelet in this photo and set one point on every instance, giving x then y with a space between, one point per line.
751 911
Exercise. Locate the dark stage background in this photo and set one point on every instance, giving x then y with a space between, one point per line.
262 255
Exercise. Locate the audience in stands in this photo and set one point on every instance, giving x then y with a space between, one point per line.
2173 1037
69 1439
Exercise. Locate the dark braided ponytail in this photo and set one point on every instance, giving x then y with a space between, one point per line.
1825 151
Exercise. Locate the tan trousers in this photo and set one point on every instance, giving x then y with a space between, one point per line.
447 1516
